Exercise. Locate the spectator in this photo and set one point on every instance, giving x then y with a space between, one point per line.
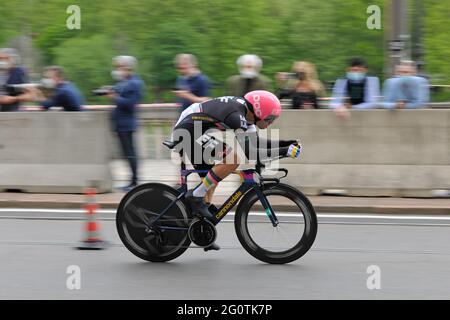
357 90
126 95
302 86
192 85
249 78
64 95
10 73
406 89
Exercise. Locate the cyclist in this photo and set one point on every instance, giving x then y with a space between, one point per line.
257 109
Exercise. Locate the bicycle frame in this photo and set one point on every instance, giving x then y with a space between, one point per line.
247 183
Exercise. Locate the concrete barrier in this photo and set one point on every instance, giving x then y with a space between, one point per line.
401 153
55 152
374 153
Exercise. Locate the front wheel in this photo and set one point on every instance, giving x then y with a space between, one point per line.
290 239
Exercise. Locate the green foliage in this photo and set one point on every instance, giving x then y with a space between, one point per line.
325 33
437 40
87 61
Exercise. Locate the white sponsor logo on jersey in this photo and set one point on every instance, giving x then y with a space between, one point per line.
225 98
243 121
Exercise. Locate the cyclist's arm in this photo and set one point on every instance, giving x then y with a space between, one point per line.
265 143
256 148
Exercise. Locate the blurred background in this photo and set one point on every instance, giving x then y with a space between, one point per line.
378 179
326 33
308 52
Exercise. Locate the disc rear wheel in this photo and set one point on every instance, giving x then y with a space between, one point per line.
159 241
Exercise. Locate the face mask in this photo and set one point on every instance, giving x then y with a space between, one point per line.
3 65
48 83
248 74
356 76
117 75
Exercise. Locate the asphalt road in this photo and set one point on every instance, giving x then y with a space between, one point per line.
411 252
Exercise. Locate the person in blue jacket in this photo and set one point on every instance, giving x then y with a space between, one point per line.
356 90
406 90
64 93
192 86
126 95
10 74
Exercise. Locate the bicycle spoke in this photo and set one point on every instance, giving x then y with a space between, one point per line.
272 238
280 231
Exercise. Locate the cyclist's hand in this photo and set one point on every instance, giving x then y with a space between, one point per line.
294 150
287 143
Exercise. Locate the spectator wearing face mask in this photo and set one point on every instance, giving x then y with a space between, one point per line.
63 93
192 86
126 95
10 74
249 77
357 90
406 89
302 86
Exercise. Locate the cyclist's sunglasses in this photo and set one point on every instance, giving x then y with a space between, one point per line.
270 119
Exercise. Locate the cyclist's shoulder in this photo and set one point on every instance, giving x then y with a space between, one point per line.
225 104
236 120
228 100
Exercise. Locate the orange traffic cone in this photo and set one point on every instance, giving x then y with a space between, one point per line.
92 240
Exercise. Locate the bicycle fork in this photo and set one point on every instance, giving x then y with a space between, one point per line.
267 207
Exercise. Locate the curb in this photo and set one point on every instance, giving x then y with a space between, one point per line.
411 210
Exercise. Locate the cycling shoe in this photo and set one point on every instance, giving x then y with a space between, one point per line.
199 206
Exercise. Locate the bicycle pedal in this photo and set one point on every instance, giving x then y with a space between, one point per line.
213 246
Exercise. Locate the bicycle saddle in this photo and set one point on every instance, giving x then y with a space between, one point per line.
170 144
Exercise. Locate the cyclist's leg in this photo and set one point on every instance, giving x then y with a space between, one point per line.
205 190
229 164
209 195
223 170
212 151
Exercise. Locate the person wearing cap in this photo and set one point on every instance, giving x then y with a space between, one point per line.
249 77
10 74
126 95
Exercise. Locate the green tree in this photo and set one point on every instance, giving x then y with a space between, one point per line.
87 62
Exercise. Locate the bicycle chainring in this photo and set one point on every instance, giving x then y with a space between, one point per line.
202 232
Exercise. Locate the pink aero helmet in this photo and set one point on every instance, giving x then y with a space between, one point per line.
266 105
